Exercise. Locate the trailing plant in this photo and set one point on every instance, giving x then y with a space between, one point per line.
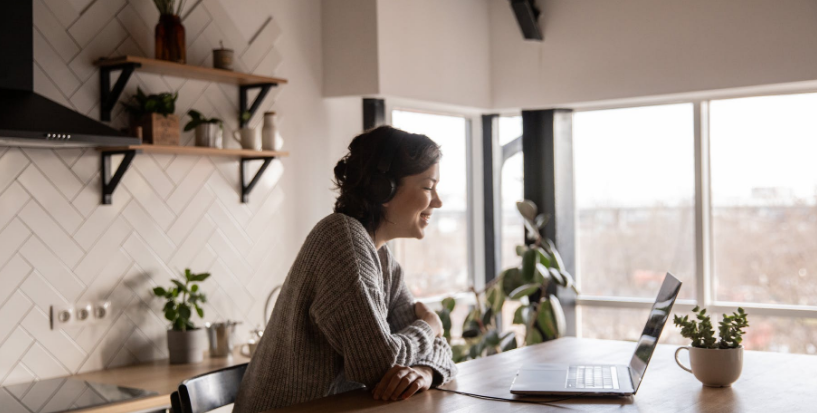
141 104
532 284
166 6
182 298
702 334
197 119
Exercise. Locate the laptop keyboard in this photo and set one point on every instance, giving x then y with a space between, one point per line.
592 377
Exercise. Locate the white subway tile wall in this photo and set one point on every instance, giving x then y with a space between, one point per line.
59 245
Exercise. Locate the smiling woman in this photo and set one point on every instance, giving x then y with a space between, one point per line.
345 318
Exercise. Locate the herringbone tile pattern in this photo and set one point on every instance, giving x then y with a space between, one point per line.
58 244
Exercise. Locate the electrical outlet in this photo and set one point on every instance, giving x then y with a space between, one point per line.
79 314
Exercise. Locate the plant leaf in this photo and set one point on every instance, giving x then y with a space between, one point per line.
560 265
510 344
449 303
558 316
527 209
533 337
520 316
556 276
159 292
545 319
529 259
511 280
524 291
199 311
184 311
179 285
520 249
544 257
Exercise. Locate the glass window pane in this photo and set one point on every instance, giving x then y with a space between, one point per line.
634 189
438 264
623 324
764 199
512 227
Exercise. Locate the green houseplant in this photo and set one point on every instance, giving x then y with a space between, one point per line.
532 284
153 116
185 342
714 362
209 132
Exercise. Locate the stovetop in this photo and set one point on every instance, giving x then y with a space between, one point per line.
63 395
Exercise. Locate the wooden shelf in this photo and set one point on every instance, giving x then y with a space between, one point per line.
110 179
195 150
108 95
164 67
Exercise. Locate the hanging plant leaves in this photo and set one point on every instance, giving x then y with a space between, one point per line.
556 276
560 265
570 283
508 341
487 317
542 274
499 300
492 339
544 257
524 291
449 303
520 249
520 316
527 209
511 280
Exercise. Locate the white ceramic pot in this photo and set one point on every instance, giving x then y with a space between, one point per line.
714 367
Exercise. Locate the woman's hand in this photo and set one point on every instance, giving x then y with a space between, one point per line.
401 382
429 316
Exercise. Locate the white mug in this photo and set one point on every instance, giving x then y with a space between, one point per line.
248 138
714 367
251 346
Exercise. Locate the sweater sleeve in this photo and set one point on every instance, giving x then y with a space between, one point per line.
401 314
351 314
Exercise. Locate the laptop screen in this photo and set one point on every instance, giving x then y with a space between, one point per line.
652 331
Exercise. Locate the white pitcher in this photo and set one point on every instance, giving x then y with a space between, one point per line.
271 140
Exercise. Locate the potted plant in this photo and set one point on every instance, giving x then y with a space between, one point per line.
715 363
185 342
154 115
169 32
533 284
209 132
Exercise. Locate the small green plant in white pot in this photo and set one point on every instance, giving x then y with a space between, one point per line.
715 363
185 342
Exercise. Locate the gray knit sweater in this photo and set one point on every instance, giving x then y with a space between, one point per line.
343 318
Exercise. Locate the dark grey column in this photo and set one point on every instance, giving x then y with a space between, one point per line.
547 144
491 196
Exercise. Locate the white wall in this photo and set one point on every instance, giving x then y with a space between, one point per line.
597 49
350 59
58 245
435 51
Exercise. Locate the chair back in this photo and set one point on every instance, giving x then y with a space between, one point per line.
211 390
175 403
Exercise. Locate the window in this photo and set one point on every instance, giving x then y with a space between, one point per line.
764 199
635 187
512 227
439 264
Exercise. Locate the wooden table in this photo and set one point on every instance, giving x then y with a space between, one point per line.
158 376
771 382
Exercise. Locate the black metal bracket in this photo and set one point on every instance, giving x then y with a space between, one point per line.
246 188
243 92
109 97
109 182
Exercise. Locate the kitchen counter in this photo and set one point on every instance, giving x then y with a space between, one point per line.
158 376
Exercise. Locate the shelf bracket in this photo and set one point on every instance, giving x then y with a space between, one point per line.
109 182
242 97
246 188
108 96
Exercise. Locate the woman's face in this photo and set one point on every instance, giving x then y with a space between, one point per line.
409 212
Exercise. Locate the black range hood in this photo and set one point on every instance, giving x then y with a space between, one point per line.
28 119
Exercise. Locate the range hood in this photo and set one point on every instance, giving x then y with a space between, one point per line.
26 118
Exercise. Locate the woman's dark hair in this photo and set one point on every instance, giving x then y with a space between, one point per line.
355 172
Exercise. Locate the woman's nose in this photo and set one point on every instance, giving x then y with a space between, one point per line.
436 202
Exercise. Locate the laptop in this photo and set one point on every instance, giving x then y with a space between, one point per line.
593 379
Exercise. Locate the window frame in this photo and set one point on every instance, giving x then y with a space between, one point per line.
704 264
476 278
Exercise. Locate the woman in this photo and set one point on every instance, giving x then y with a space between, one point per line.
344 317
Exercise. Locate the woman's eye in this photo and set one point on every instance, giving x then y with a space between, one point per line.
427 189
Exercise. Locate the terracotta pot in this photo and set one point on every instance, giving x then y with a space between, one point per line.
170 42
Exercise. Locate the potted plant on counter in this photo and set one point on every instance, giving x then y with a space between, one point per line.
153 115
209 132
185 342
715 363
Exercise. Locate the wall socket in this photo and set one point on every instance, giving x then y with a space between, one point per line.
79 314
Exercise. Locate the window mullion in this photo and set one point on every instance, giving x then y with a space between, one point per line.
703 206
